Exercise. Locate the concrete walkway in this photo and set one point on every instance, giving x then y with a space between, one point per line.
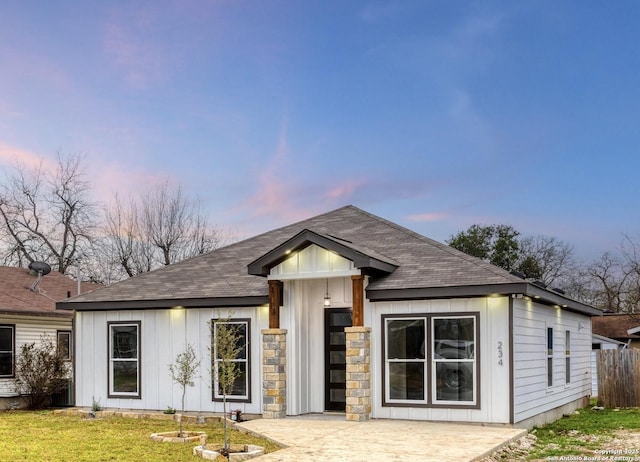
331 438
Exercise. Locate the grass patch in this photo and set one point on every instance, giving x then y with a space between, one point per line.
45 436
583 432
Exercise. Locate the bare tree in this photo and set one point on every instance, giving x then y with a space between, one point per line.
547 259
175 225
47 215
126 245
613 281
156 229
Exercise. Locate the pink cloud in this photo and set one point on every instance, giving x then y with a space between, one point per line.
345 190
12 156
428 217
105 178
276 191
109 179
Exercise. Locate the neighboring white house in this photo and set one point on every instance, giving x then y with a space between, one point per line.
342 312
27 311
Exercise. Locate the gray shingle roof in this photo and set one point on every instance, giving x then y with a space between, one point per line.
222 273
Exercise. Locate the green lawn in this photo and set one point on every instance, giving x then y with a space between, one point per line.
43 436
584 432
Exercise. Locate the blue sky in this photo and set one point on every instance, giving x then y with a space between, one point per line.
433 114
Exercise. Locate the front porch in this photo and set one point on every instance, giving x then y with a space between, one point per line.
303 363
347 350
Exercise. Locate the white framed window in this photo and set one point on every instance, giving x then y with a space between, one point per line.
567 356
241 389
430 360
124 359
7 349
405 359
454 360
549 356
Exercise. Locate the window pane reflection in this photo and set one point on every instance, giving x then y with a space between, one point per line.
405 339
406 381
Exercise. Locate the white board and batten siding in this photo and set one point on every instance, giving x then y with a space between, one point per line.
164 334
313 262
29 329
532 395
493 356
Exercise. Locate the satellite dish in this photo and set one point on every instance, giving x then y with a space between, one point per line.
40 267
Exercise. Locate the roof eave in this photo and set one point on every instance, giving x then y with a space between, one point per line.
34 313
209 302
484 290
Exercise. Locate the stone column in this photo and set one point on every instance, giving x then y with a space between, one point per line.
358 373
274 373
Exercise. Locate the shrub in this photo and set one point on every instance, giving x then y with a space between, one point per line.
40 372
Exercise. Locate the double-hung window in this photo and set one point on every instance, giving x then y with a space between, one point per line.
406 361
7 349
124 359
234 356
430 359
454 361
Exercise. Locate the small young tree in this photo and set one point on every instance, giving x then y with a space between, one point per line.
40 372
226 346
183 371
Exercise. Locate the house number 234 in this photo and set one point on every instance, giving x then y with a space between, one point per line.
500 354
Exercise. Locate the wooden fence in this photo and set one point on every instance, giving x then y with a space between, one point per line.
619 378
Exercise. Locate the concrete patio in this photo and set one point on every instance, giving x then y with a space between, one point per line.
331 438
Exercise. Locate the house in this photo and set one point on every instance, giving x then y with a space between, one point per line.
27 311
623 327
343 312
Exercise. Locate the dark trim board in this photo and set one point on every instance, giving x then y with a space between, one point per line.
218 302
520 288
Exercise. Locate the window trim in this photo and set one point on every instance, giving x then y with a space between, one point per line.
70 351
12 351
110 392
215 397
476 369
567 357
550 348
385 362
430 401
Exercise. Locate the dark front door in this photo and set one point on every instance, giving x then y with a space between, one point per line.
335 366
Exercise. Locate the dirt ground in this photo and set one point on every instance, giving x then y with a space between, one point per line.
623 446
